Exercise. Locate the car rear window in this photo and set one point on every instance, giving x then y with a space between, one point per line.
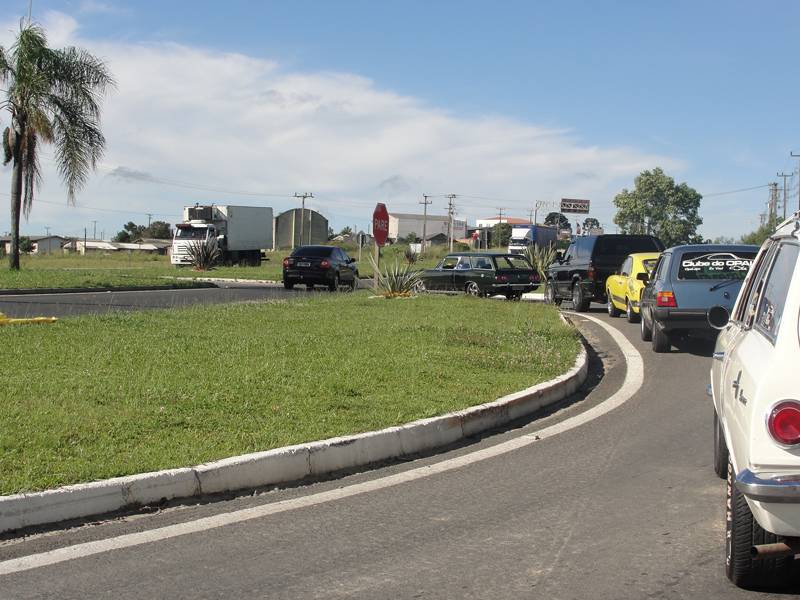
315 251
715 265
512 262
622 246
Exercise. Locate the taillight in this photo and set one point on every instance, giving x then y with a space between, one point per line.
286 262
325 264
784 422
666 299
502 278
590 273
535 278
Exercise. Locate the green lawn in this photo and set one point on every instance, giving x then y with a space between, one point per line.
141 270
94 397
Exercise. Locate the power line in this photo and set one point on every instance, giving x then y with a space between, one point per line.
757 187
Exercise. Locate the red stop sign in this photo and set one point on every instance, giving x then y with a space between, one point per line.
380 224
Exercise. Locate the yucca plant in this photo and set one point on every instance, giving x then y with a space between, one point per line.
396 281
541 257
204 254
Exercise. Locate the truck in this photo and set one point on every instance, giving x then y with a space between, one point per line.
531 235
240 231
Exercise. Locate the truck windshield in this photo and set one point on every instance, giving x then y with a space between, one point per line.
191 233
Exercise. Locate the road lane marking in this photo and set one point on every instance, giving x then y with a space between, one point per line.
634 377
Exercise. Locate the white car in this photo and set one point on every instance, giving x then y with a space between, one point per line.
757 414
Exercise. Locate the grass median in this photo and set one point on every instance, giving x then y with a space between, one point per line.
100 396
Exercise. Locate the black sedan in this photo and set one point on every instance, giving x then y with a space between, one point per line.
320 265
482 274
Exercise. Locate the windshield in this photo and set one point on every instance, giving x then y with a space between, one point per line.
314 251
512 262
715 265
191 233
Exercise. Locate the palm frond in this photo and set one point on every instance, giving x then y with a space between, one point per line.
7 153
31 172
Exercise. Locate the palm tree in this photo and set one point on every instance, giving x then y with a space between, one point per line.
53 96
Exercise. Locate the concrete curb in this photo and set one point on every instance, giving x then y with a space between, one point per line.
283 465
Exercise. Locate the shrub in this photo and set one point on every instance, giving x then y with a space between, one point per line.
541 258
204 254
397 280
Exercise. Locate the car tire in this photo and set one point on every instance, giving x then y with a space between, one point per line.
288 284
742 532
354 283
613 311
419 287
514 296
631 316
334 285
550 294
472 289
647 332
720 450
579 302
661 340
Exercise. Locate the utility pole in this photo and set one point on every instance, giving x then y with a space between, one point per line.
450 209
94 232
785 199
530 216
303 197
425 202
798 174
772 211
47 231
149 216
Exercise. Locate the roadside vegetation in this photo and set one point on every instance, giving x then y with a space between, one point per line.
100 396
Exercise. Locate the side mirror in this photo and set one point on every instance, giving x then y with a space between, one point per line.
718 317
643 277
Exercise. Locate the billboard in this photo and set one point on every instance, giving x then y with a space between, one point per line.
571 205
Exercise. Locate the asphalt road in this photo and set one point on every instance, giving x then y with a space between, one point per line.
625 506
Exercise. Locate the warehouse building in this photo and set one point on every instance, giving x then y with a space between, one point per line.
401 225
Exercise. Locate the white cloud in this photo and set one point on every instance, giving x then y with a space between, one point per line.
231 121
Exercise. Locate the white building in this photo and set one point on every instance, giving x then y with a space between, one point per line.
492 221
42 244
400 225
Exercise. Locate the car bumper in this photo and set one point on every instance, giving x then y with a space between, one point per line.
774 500
308 276
505 288
683 318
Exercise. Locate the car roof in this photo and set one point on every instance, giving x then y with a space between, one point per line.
790 226
713 248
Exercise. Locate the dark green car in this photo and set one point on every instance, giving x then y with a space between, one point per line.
482 274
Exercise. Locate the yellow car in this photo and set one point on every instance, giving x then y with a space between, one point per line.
624 289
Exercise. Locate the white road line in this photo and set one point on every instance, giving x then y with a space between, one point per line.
634 378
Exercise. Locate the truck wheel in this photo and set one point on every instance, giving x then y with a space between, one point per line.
661 341
742 532
579 302
613 311
550 294
720 450
647 332
631 316
334 285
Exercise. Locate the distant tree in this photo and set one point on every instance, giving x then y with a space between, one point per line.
501 234
758 236
659 207
590 223
130 231
723 240
411 238
158 230
346 231
25 244
330 233
556 219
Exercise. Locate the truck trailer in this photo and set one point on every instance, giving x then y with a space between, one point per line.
531 235
240 231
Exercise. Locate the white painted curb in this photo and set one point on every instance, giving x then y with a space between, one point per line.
283 465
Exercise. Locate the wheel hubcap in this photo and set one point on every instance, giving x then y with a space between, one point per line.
472 289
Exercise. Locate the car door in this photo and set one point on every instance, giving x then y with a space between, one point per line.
461 274
562 281
441 277
752 350
617 284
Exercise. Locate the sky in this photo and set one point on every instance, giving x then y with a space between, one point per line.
505 104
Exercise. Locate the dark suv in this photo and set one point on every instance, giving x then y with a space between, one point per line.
580 275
